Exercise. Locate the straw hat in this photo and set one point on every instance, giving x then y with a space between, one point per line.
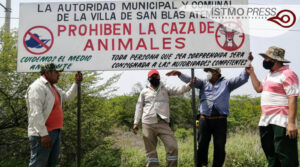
275 53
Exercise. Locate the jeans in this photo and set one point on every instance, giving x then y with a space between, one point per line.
218 129
280 150
42 157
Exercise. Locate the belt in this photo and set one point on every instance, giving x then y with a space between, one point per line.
213 117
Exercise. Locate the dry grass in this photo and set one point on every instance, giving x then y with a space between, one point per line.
242 148
126 139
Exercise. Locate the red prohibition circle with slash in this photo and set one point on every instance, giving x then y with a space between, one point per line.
229 43
30 34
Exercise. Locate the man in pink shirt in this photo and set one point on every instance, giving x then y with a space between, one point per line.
45 116
277 125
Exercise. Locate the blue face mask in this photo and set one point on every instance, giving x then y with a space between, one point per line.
268 64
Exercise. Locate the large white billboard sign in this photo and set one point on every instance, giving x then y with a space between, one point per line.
127 35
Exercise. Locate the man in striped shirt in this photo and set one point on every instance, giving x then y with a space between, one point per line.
277 125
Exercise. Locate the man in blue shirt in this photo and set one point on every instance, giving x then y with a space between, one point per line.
214 109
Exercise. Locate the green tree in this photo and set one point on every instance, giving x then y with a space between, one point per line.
13 116
122 109
244 112
181 114
96 118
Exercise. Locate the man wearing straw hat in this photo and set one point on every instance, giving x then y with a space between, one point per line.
277 125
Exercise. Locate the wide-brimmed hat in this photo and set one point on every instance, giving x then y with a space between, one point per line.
275 53
216 69
50 67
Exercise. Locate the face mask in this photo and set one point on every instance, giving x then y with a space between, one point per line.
268 64
154 82
208 75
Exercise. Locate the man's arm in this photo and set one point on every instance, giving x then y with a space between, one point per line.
291 88
255 82
138 112
291 129
178 90
35 101
36 119
198 82
71 93
238 81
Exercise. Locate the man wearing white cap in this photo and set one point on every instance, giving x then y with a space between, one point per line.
153 108
277 125
214 109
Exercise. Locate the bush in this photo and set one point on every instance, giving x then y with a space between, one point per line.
244 113
13 163
182 134
122 109
104 155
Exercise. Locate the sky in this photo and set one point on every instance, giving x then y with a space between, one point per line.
288 40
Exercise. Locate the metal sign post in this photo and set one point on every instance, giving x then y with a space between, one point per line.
78 122
195 119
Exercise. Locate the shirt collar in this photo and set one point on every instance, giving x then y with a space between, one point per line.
44 80
219 80
281 69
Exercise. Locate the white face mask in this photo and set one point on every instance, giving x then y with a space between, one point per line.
208 75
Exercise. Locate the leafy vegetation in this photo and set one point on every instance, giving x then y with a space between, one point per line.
13 117
96 120
107 120
103 155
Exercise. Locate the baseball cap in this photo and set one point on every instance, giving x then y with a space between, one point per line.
151 72
216 69
50 67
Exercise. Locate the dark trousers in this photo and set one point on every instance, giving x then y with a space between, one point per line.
45 157
280 151
218 129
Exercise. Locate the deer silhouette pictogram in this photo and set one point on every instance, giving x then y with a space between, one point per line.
229 37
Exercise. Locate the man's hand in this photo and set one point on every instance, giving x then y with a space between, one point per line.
78 77
250 69
194 80
46 141
291 130
135 129
173 73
